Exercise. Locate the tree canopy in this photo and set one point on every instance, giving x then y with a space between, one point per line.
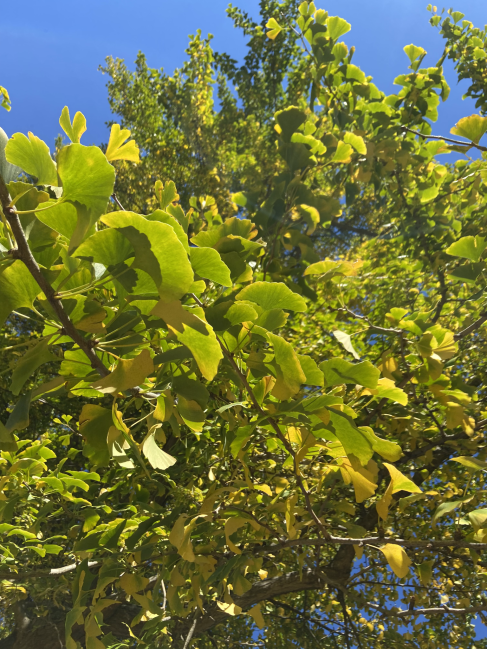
243 354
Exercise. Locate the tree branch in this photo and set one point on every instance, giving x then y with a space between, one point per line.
468 330
445 139
429 611
24 254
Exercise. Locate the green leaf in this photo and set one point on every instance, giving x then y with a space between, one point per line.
7 440
61 217
346 342
478 518
343 152
337 27
468 248
163 217
338 371
289 120
87 177
158 459
229 313
400 482
272 295
445 508
471 463
425 571
73 130
194 332
95 422
30 361
413 52
32 155
19 417
207 263
117 150
17 289
352 439
108 247
274 27
467 273
128 374
314 376
388 450
241 438
191 413
356 141
166 194
158 252
290 375
472 128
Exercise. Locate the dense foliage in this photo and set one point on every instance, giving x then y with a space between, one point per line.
245 393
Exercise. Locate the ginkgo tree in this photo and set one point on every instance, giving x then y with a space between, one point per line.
252 416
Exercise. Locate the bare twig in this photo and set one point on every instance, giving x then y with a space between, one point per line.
429 611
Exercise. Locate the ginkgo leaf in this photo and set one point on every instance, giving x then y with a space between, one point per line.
397 559
128 374
356 141
343 152
290 375
346 342
75 129
229 608
425 571
158 252
256 614
400 482
472 128
28 364
272 295
338 371
207 263
468 248
337 27
232 525
471 462
273 27
117 150
193 332
133 583
32 156
158 459
413 52
191 413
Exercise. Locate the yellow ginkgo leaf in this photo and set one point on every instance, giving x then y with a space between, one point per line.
231 526
397 559
229 609
117 150
257 616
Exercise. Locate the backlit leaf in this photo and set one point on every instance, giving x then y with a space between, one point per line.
75 129
117 150
272 295
32 155
397 559
472 128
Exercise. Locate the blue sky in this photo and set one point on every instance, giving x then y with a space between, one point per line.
51 50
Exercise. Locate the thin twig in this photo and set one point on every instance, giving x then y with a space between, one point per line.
445 139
